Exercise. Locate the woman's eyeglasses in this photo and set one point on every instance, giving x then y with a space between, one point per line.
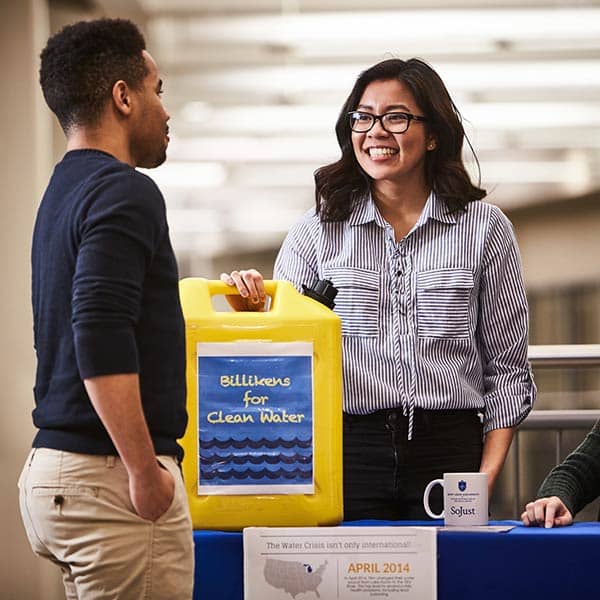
392 122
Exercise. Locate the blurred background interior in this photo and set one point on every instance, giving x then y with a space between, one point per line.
254 89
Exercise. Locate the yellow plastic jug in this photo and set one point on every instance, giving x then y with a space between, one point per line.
263 446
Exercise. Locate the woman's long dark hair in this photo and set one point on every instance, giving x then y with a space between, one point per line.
340 184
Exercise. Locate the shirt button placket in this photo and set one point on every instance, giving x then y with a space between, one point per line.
402 277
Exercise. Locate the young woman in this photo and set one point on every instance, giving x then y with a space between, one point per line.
431 297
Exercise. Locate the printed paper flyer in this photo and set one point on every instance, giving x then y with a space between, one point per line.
345 563
255 418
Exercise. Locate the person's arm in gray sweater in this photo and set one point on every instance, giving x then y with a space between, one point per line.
569 486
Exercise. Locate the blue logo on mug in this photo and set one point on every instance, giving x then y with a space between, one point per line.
462 485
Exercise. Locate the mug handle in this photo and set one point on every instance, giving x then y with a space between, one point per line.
426 498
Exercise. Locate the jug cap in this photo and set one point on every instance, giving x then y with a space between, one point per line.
322 291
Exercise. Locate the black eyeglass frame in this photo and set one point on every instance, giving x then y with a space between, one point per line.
409 117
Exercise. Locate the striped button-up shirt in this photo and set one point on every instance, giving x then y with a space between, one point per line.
437 320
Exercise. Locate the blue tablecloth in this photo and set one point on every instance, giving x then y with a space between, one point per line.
524 563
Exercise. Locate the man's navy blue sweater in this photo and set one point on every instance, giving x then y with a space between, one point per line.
105 301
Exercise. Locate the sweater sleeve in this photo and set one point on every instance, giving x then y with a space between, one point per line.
576 481
119 232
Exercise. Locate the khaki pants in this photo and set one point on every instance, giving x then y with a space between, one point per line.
77 513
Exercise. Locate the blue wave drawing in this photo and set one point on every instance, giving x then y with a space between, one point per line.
280 474
209 443
255 459
248 461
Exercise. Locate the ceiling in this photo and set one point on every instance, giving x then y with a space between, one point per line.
254 88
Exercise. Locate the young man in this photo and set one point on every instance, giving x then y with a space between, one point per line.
101 492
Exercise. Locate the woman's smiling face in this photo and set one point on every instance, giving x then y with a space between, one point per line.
394 157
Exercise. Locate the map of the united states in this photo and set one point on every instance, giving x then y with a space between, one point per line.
293 577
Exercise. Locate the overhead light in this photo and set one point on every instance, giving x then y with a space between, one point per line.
521 74
262 120
358 27
572 172
474 77
248 149
197 112
247 220
194 220
531 115
188 174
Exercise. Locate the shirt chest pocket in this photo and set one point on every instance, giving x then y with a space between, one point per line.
443 303
357 301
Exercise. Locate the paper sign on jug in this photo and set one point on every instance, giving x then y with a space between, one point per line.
255 418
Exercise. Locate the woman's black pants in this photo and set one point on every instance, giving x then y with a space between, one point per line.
385 474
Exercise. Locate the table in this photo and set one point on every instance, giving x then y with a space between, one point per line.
523 563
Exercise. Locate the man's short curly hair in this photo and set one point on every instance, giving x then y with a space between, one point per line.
81 63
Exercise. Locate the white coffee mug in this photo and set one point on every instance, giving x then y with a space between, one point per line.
465 499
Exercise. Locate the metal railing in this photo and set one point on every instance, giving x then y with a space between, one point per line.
567 355
574 355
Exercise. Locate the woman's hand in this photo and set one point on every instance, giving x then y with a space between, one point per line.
250 285
547 512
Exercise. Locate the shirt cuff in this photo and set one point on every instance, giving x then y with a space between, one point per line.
509 408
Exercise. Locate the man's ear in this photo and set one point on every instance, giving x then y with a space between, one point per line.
121 95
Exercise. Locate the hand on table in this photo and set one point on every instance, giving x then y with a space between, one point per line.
547 512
